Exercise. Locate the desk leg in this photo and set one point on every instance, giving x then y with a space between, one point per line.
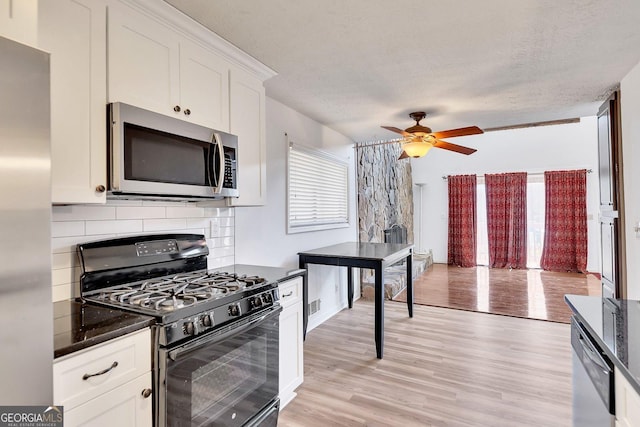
379 320
305 297
350 286
410 285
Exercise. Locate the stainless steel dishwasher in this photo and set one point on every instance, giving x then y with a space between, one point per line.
593 391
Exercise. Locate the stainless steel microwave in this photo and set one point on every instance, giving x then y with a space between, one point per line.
156 156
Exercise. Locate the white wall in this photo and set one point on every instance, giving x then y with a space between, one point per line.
260 232
75 224
536 149
630 120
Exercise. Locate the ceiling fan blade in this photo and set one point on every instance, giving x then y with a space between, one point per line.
453 147
396 130
404 155
470 130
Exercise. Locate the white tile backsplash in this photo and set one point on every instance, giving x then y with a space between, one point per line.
114 226
75 224
185 211
140 212
67 228
82 213
164 224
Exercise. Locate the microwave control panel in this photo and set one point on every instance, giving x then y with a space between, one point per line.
230 168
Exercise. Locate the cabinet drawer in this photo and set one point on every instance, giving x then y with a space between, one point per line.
130 354
290 291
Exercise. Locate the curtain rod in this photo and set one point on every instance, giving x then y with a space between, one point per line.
445 177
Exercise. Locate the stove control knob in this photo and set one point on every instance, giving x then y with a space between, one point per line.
206 320
189 328
256 302
267 298
234 310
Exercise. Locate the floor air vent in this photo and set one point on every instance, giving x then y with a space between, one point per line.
314 306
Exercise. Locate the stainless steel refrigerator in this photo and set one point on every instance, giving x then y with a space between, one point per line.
26 310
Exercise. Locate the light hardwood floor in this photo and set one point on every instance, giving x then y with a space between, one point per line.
534 294
443 367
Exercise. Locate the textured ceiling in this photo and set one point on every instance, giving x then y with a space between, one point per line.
354 65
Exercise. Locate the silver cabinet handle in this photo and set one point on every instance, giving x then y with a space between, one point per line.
177 108
146 393
287 295
187 112
104 371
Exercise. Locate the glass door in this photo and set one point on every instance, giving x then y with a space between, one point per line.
224 378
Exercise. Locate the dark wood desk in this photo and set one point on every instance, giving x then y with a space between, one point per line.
376 256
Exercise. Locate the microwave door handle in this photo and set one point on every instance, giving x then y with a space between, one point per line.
219 182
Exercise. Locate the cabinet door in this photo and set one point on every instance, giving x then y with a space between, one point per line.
247 120
74 32
143 62
627 402
291 346
204 87
611 209
122 406
19 21
606 160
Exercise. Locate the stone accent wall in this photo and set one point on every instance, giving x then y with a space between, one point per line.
385 192
385 195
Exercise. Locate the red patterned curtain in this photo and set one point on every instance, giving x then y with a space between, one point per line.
462 220
565 225
507 219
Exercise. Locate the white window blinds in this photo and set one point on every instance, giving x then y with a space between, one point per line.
317 190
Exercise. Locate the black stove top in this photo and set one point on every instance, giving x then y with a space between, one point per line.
165 276
166 294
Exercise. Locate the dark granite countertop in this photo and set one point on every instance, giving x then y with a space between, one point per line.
612 324
77 326
271 274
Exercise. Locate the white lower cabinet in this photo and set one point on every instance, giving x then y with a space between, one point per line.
108 384
122 406
291 351
627 402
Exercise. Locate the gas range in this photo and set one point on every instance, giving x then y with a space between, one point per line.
151 275
216 334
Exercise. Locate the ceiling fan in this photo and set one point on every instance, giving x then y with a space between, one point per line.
418 139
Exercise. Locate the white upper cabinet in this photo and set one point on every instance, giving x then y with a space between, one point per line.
247 106
143 61
153 67
204 86
19 21
143 53
74 33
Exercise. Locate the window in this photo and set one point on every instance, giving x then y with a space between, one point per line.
317 190
535 221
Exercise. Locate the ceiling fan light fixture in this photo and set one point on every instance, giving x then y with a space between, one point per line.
416 148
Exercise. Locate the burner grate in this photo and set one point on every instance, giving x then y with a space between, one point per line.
180 290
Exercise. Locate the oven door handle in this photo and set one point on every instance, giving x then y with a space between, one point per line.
224 333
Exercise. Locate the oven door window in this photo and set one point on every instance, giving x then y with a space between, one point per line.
156 156
223 379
